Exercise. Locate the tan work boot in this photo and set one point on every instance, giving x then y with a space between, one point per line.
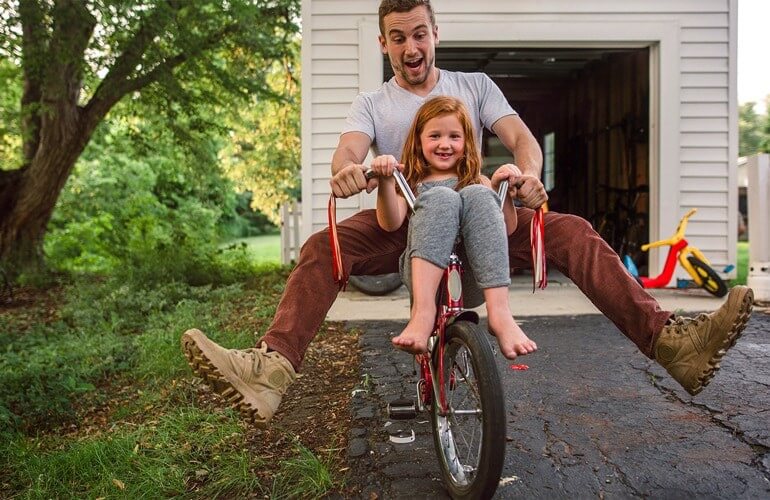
253 381
690 349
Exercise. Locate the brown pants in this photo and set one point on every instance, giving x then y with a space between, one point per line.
571 245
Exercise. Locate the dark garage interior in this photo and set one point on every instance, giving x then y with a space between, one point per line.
589 109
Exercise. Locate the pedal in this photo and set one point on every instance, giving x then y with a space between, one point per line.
402 409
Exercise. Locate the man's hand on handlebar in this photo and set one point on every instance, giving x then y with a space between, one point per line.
351 180
530 191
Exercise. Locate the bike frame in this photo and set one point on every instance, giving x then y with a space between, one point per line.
450 308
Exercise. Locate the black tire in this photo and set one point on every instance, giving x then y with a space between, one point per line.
712 283
470 448
380 284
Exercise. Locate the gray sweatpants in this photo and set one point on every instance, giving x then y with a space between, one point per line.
441 215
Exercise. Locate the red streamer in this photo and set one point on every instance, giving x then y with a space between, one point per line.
338 270
537 240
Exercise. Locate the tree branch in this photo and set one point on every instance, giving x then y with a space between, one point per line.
33 53
73 26
104 99
131 56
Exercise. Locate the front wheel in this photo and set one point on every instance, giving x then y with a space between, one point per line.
712 283
470 436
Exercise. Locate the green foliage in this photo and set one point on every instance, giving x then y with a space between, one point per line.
112 327
118 345
175 78
752 139
144 212
263 155
165 458
304 476
10 119
43 371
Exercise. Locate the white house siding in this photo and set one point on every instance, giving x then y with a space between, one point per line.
705 116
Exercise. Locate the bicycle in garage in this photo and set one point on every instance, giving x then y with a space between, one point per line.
690 257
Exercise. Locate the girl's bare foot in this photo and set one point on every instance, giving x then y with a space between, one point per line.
511 338
414 338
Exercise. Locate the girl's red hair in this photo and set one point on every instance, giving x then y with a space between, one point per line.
415 166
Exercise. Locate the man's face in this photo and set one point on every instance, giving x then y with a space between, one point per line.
410 42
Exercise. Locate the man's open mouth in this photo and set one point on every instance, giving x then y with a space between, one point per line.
413 64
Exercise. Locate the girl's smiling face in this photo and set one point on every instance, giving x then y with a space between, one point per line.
442 141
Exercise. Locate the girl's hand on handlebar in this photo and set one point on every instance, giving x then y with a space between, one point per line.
508 172
385 165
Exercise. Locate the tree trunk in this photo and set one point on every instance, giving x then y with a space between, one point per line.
28 198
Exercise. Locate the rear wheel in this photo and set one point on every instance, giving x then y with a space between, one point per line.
470 436
712 283
379 284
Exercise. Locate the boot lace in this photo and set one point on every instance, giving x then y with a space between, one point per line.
684 321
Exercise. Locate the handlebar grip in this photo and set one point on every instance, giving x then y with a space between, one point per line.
502 191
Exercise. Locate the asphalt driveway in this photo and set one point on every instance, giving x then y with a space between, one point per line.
591 417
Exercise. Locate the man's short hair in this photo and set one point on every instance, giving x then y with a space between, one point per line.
388 6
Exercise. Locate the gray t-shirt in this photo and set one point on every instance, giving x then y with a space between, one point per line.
386 114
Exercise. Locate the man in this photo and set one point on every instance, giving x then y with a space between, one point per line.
254 380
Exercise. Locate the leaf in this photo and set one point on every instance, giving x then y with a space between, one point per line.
120 484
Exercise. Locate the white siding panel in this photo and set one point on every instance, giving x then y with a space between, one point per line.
704 139
321 186
329 7
327 52
335 37
703 169
704 109
695 80
705 35
704 124
322 170
703 154
334 67
325 141
704 199
709 244
328 126
707 213
704 95
705 50
704 65
688 21
342 20
334 96
334 81
321 155
321 110
704 184
705 227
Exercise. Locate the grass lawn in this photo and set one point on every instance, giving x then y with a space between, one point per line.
97 401
742 268
264 249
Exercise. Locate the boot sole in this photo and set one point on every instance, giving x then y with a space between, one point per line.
704 379
206 370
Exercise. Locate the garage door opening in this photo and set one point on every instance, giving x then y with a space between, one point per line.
589 108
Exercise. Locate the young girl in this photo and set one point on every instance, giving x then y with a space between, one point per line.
442 165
